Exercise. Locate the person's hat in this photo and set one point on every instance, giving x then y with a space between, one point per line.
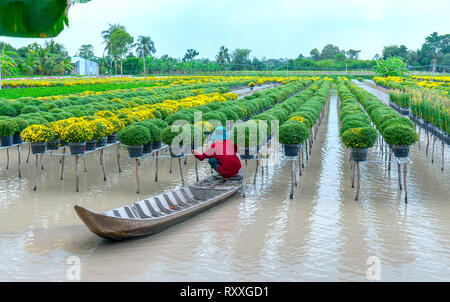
220 134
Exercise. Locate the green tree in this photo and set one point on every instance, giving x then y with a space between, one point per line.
241 59
145 47
353 54
393 66
8 64
190 55
120 44
329 52
395 51
132 65
86 51
223 57
315 54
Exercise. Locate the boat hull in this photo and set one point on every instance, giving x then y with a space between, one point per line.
114 228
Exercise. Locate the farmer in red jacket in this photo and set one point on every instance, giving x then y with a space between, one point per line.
222 155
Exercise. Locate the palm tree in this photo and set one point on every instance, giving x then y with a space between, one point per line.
144 47
223 56
106 35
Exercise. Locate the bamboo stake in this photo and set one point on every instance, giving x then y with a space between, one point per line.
7 158
35 173
156 166
196 170
84 164
432 152
185 161
42 161
137 177
102 162
358 181
77 180
181 172
118 157
390 160
399 177
256 172
353 175
405 174
18 154
428 144
300 164
292 180
245 178
29 151
63 160
443 156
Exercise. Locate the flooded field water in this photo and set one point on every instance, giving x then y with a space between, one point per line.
321 235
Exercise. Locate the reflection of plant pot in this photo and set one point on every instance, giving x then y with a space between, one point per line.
177 153
111 139
91 145
38 148
148 148
291 150
53 144
6 141
251 88
401 151
17 140
77 148
359 155
102 142
156 145
136 151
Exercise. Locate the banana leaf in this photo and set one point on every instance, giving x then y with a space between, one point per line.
33 18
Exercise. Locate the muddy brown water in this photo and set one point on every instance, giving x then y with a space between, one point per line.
321 235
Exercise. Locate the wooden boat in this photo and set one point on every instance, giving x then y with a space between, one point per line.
155 214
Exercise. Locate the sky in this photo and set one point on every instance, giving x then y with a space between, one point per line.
270 28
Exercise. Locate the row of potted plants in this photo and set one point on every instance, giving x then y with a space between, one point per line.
305 114
215 113
356 130
397 131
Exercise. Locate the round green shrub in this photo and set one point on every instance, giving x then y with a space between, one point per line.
134 135
360 138
7 110
167 135
7 128
399 135
353 124
155 131
293 133
21 124
30 109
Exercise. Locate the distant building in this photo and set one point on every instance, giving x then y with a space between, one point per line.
84 67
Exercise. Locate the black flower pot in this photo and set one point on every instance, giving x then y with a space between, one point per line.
17 140
64 144
77 148
53 144
156 145
291 150
38 148
148 148
136 151
91 145
401 151
447 140
6 141
359 155
111 139
102 142
176 153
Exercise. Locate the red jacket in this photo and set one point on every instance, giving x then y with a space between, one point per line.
225 153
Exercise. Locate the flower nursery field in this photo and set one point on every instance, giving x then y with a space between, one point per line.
352 174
